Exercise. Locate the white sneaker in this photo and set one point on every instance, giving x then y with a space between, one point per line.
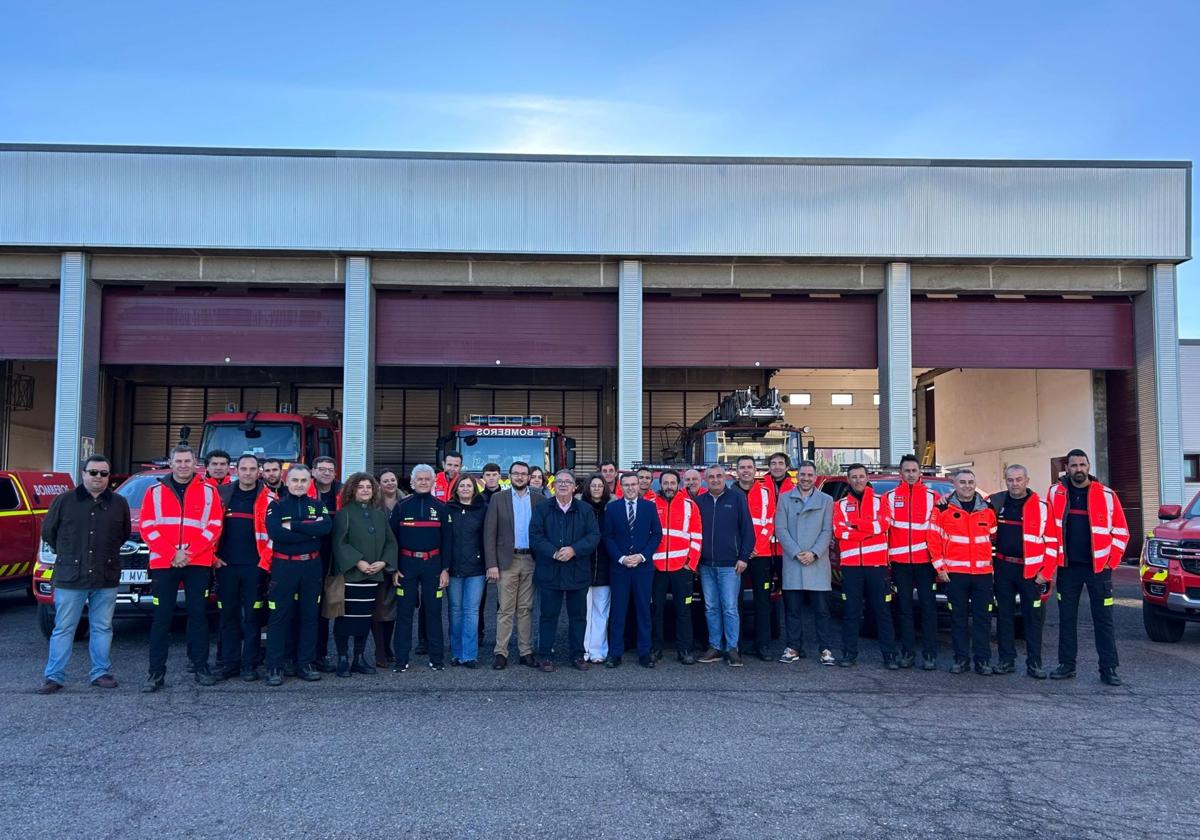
827 657
789 656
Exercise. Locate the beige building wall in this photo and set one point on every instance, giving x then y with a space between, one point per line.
992 418
840 427
31 433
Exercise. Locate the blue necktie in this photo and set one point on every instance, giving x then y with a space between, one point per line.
631 509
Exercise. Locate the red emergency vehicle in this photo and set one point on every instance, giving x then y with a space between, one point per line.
504 438
292 438
25 496
1170 570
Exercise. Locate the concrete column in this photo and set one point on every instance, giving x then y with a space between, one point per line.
1156 355
629 363
358 378
77 390
894 328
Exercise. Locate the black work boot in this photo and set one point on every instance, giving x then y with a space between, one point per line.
343 666
360 665
153 683
1108 676
1063 672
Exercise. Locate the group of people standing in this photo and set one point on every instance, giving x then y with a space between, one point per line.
307 549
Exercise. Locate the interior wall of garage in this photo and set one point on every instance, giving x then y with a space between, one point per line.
30 432
992 418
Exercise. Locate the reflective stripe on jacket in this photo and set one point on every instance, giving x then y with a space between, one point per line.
1110 531
912 507
861 529
681 528
165 525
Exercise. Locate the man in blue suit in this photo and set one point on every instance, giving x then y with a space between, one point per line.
631 535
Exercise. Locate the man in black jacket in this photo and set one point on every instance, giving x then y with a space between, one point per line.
241 547
295 524
85 528
563 536
425 536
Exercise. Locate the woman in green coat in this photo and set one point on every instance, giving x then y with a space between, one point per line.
364 551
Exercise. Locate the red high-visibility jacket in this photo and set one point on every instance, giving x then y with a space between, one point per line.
763 500
165 525
1041 534
960 541
1110 531
681 533
441 486
861 529
912 506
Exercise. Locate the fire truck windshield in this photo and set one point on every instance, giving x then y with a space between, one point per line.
266 440
478 450
724 446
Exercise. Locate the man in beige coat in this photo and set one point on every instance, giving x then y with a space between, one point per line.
509 561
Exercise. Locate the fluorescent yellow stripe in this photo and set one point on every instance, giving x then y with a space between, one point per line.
3 571
15 513
1108 602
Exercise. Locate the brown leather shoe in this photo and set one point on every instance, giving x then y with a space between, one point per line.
582 665
50 687
547 666
105 681
500 662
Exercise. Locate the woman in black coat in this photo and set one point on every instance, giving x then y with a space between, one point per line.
467 511
595 494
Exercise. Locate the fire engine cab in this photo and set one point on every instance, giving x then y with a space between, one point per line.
292 438
504 438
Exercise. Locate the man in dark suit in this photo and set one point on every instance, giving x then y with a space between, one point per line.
631 534
509 561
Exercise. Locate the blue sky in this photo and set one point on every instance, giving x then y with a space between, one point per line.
1013 80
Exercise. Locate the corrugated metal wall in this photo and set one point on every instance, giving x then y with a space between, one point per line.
1034 333
195 329
603 206
527 331
159 412
30 324
777 332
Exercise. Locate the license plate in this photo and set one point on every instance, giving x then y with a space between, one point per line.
135 576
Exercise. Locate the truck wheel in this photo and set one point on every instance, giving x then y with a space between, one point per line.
45 616
1161 628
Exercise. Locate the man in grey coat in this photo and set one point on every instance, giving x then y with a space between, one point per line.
804 528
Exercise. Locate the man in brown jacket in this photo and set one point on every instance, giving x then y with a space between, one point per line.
509 561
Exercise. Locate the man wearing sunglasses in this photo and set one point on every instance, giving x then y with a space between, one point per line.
86 528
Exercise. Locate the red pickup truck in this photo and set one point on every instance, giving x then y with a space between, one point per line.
1170 570
25 496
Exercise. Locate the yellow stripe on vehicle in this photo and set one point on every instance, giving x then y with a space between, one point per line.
7 513
3 571
1159 576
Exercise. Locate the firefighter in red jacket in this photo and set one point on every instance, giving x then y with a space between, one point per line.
1026 555
762 497
443 485
243 547
961 546
1094 537
675 564
180 522
216 468
645 478
912 504
860 526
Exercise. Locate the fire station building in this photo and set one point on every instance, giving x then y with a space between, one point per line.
993 312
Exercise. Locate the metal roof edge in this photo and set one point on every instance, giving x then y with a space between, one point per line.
232 151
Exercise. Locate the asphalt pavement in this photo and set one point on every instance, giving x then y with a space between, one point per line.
768 750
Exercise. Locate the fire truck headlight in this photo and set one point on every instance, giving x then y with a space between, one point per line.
1154 555
46 555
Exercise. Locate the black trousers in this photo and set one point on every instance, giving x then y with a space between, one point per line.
679 584
420 580
165 586
793 611
919 577
971 617
237 595
1010 583
869 584
1071 581
760 585
294 594
552 604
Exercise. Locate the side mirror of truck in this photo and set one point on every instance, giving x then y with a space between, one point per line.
185 433
1168 512
570 444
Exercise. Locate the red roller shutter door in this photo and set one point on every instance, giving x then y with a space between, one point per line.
989 333
30 324
195 329
525 331
780 332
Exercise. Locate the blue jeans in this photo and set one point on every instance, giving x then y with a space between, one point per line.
68 607
465 595
721 587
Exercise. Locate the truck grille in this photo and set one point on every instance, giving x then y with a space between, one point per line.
1186 552
139 559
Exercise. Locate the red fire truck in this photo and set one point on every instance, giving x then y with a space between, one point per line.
1170 572
504 438
289 437
25 497
744 423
